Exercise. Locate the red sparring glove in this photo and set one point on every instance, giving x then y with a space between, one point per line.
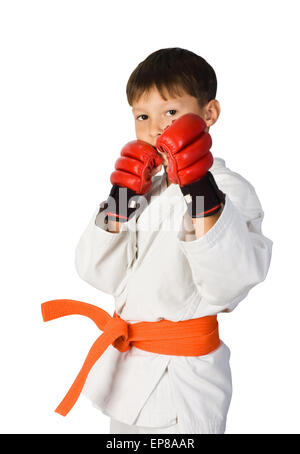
133 168
187 146
131 177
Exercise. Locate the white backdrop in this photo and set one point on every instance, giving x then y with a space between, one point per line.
64 119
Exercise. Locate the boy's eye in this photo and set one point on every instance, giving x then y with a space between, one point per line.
172 110
142 115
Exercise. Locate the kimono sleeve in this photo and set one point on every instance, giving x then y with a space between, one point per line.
234 255
101 257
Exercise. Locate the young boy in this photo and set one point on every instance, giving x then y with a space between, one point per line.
180 247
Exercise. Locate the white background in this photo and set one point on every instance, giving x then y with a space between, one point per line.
64 119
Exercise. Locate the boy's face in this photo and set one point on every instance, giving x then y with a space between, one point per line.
152 114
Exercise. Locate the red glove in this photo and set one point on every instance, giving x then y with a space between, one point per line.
134 167
187 147
131 178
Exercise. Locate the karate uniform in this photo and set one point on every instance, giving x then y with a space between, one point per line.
156 269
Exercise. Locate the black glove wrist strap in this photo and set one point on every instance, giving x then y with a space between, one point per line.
203 197
121 203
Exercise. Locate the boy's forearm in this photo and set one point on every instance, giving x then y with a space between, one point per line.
203 225
114 226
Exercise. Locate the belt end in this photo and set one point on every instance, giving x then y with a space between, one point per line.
61 411
45 312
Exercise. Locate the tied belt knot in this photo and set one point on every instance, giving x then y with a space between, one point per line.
193 337
117 324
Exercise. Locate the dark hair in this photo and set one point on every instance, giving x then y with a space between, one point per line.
173 69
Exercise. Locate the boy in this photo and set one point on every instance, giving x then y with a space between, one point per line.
180 247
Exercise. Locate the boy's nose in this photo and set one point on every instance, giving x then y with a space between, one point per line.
155 132
156 129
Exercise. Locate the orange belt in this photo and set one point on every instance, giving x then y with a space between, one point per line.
194 337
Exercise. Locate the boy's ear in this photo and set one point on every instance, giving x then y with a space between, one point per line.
211 112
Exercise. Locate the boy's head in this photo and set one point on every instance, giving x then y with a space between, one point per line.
167 84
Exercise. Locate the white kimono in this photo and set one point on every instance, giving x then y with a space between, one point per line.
155 269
